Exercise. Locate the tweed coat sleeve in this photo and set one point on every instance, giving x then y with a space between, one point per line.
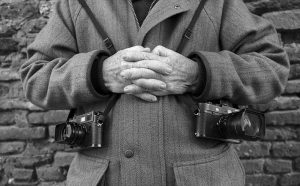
56 76
251 67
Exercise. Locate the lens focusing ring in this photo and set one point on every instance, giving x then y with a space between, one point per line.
75 132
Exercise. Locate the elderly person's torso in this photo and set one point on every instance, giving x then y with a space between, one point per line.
153 143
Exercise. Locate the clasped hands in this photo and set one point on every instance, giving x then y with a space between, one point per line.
147 74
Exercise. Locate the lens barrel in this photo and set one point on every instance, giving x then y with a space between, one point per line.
245 124
73 133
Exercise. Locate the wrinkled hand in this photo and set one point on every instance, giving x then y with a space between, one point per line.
181 79
122 60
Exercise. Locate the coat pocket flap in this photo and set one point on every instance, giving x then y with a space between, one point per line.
86 170
222 170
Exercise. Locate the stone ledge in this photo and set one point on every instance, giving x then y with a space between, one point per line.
12 147
284 20
9 75
15 133
253 166
286 149
293 51
289 117
10 104
292 87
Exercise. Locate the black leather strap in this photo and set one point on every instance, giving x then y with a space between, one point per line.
107 41
109 45
188 32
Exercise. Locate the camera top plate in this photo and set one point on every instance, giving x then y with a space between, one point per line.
215 109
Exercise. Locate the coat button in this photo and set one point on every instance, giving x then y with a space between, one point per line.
176 6
129 153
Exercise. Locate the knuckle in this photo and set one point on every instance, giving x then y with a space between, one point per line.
125 65
167 60
159 47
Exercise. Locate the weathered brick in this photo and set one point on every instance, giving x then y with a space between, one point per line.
262 6
16 91
278 166
63 159
20 118
51 130
46 8
34 25
51 174
297 164
8 75
8 45
286 20
292 179
273 133
50 117
53 183
298 132
11 147
12 133
253 166
44 147
29 161
293 51
4 90
280 103
23 174
14 61
286 149
10 104
13 182
253 149
290 117
292 87
6 30
294 71
261 180
14 10
6 118
289 37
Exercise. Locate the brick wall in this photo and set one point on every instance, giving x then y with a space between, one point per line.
28 155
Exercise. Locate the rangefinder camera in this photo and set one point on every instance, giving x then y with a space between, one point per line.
82 131
225 123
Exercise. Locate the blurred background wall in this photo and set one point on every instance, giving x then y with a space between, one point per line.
28 155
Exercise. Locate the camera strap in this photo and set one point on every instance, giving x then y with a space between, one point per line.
188 32
107 41
110 46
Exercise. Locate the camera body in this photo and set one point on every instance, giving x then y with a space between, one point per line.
83 131
224 123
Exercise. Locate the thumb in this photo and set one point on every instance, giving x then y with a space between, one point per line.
162 51
139 48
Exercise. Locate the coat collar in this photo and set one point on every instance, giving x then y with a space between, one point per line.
165 9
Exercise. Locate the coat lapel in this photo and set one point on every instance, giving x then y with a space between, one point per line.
163 10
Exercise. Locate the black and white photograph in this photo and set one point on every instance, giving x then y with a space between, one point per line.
149 92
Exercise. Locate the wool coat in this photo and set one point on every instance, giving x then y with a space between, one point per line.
154 143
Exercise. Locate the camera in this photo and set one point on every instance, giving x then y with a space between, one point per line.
83 131
224 123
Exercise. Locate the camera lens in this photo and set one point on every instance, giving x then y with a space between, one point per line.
251 125
244 124
73 133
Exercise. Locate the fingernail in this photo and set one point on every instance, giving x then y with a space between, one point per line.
154 99
162 86
169 70
125 58
123 75
126 89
